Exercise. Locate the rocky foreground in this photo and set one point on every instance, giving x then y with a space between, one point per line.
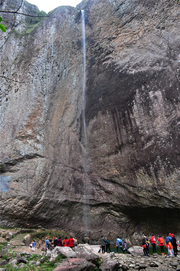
86 257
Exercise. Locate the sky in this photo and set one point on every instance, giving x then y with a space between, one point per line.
47 6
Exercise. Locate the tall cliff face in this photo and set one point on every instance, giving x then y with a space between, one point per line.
132 114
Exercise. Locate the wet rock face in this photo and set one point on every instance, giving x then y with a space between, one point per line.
132 114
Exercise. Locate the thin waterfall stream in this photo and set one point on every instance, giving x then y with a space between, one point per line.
85 149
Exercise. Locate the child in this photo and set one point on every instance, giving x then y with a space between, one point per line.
33 245
170 249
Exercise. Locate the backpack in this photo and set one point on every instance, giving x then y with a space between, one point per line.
120 243
161 241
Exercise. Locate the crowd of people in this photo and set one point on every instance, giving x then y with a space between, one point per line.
49 244
120 245
170 242
66 242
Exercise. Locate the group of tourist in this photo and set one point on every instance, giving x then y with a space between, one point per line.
170 243
58 242
105 245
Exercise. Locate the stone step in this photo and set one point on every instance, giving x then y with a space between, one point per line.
17 241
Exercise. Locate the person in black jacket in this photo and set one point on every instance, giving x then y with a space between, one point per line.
145 245
174 243
107 245
55 241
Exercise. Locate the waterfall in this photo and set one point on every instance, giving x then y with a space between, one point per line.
85 148
84 79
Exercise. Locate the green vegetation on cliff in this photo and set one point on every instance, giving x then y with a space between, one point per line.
2 27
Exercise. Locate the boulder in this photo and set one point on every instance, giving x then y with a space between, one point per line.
136 251
109 265
38 263
22 265
18 255
125 267
66 251
143 266
48 253
154 264
3 262
13 262
32 262
85 252
42 259
4 252
27 239
94 248
21 260
24 253
174 264
161 268
76 264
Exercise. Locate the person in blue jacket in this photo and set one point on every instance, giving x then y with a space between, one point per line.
33 245
47 243
169 239
119 244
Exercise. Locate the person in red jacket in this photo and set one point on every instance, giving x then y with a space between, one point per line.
161 244
153 242
71 242
65 242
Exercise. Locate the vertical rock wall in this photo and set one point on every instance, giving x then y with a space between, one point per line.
132 114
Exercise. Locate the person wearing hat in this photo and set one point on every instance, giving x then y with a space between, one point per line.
168 239
119 244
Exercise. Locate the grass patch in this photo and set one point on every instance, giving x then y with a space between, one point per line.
50 234
46 265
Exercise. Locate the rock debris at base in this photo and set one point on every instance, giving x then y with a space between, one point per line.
86 257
